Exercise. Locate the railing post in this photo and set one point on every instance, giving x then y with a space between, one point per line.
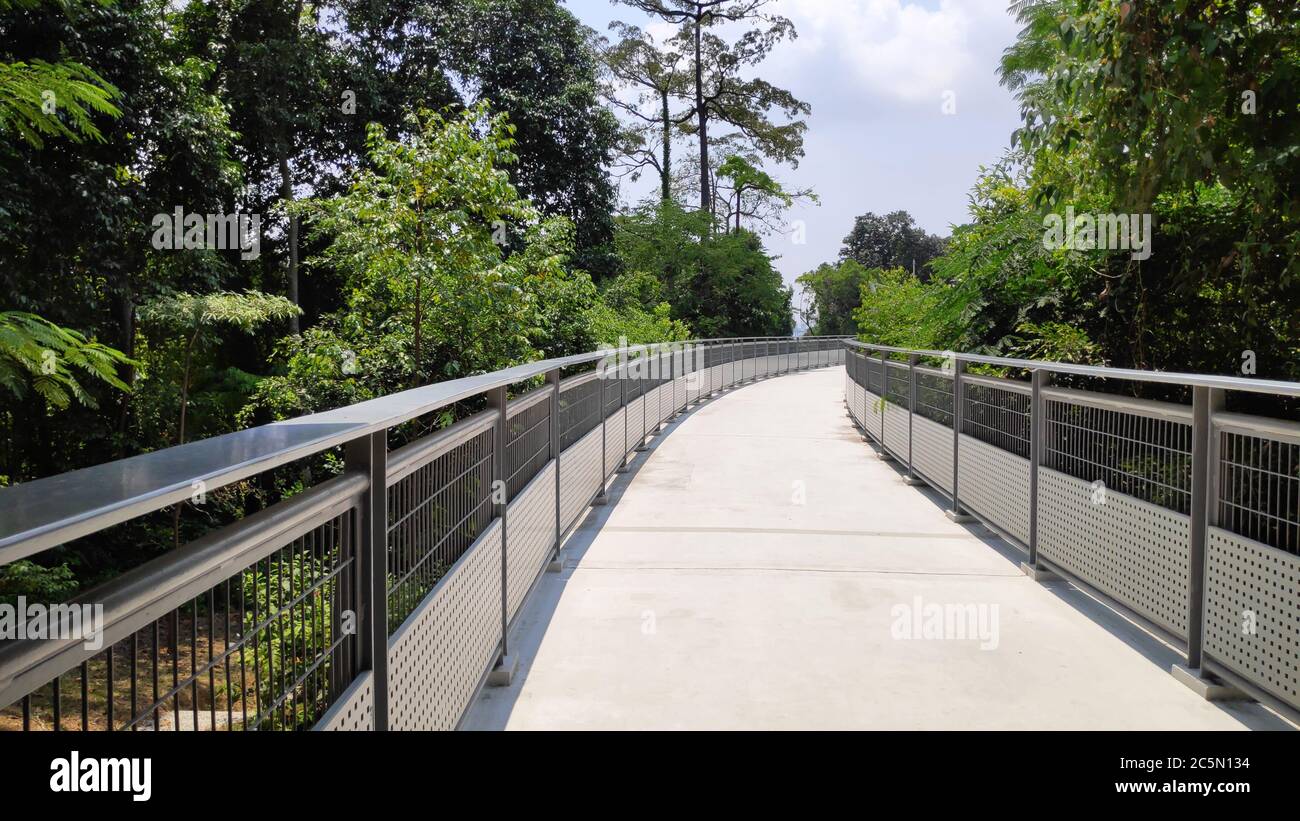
958 415
884 401
912 360
498 400
369 456
1205 403
553 379
705 361
623 371
604 428
1037 430
645 359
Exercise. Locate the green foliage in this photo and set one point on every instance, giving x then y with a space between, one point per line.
899 309
835 291
720 284
189 313
28 89
449 272
891 241
36 583
1055 342
51 359
290 639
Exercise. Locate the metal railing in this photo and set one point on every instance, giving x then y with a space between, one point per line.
1183 515
380 598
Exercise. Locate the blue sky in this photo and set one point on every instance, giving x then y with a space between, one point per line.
875 73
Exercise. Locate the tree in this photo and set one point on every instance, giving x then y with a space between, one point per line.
753 194
534 62
890 241
658 78
192 322
835 291
722 284
899 309
721 91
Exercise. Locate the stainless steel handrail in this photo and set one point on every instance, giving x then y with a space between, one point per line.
38 515
1227 383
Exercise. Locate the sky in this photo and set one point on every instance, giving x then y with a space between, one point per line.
877 74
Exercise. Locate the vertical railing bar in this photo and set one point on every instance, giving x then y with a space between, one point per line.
368 455
1205 402
553 379
604 428
498 401
912 361
1038 381
623 369
958 415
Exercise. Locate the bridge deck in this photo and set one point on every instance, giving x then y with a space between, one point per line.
756 570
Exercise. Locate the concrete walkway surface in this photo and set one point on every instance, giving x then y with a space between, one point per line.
761 568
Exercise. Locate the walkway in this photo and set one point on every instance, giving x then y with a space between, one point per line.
760 568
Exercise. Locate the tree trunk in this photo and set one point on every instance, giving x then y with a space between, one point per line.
665 172
286 194
706 203
126 320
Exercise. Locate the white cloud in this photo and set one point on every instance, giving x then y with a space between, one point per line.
898 50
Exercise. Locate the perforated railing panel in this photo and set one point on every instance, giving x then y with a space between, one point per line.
634 424
530 527
871 414
579 476
995 484
1252 614
1129 549
613 438
932 451
355 710
438 656
896 431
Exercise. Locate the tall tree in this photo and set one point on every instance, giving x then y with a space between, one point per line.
891 241
534 62
721 91
657 78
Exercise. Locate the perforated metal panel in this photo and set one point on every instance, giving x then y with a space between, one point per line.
896 431
1252 614
1129 549
613 437
437 658
355 709
995 484
851 398
653 404
579 476
530 529
633 424
932 451
871 407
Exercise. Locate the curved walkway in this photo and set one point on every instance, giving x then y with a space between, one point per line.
760 568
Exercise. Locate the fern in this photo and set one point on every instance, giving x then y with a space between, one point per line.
40 356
